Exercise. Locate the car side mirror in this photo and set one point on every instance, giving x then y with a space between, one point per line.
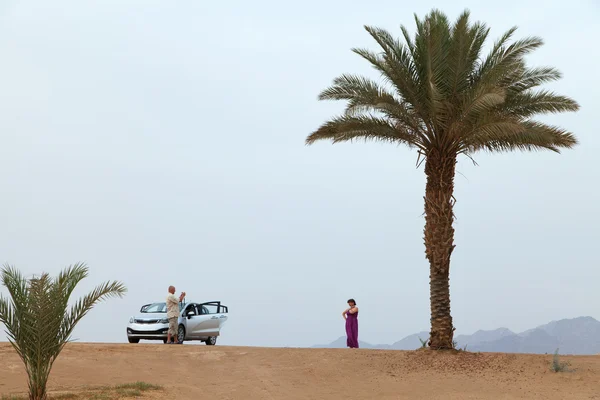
190 314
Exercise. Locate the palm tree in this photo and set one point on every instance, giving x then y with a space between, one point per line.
39 321
441 96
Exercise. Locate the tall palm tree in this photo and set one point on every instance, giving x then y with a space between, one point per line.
442 96
39 321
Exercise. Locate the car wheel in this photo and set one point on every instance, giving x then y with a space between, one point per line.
133 340
211 341
180 334
164 340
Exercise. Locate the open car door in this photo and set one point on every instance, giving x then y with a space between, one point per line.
217 316
194 321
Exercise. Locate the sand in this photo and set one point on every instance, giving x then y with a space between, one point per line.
219 372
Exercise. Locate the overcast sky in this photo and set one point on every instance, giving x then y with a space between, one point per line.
162 142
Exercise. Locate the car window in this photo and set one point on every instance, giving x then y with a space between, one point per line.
203 310
190 307
210 309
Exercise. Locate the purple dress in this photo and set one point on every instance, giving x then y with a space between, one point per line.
352 330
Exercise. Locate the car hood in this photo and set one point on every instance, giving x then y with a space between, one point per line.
150 316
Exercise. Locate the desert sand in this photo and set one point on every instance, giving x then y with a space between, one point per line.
219 372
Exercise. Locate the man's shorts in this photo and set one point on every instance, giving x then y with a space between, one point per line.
173 326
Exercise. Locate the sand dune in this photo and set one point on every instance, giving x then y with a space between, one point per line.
203 372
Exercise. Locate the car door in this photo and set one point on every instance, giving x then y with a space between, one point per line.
194 321
217 316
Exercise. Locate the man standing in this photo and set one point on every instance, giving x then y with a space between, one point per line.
173 313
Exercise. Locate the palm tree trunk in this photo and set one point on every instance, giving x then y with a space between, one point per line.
439 243
37 387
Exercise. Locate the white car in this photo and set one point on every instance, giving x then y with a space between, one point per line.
197 321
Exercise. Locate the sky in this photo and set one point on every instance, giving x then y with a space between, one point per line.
162 143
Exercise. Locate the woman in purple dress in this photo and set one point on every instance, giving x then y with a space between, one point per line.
351 317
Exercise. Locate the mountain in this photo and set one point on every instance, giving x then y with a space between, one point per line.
411 342
537 341
482 337
575 336
571 336
340 343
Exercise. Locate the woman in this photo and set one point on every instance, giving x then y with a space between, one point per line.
351 317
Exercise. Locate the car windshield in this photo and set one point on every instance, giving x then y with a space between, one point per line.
156 308
159 308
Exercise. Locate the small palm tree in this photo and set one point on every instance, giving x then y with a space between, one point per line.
442 96
39 321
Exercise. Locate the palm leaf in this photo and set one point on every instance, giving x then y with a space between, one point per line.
348 128
531 77
366 96
527 104
85 304
526 136
396 66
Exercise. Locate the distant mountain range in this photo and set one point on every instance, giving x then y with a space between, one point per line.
571 336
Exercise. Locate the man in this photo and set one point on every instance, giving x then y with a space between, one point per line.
173 313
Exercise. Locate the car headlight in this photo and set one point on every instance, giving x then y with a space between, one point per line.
164 321
131 320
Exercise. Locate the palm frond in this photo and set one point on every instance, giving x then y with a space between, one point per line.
349 128
362 94
499 44
396 66
9 320
85 304
505 62
460 55
530 103
42 339
525 136
17 317
365 96
482 104
529 78
65 283
430 56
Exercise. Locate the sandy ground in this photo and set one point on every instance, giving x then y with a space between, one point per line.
204 372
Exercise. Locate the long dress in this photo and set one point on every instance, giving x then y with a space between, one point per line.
352 330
